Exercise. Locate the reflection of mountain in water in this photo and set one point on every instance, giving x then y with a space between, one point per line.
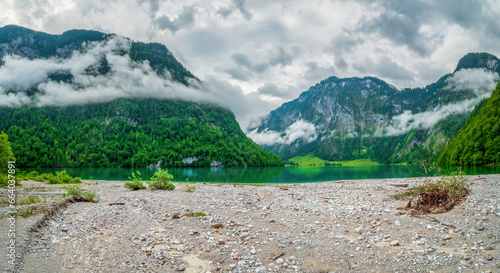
266 175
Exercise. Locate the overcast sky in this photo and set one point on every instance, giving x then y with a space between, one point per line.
278 49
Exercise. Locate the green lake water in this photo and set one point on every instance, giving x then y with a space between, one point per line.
292 174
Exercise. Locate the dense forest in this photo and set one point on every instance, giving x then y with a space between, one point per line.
478 143
130 133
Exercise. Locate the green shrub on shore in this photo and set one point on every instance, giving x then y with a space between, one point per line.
61 177
136 183
77 194
437 196
161 180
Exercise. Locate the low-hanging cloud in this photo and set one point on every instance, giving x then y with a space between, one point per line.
480 81
299 130
126 79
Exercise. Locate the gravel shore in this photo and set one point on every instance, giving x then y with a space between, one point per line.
342 226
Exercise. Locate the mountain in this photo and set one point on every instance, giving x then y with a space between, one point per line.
478 143
90 99
359 118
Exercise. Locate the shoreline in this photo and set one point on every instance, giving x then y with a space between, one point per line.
335 226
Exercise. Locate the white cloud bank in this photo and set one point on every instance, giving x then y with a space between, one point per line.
480 81
126 79
299 130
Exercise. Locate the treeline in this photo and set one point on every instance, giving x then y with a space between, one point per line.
478 143
130 133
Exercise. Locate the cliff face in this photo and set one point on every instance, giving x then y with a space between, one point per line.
350 118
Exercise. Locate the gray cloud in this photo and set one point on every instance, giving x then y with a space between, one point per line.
315 72
183 20
341 45
481 81
271 89
280 58
235 73
154 5
384 67
237 5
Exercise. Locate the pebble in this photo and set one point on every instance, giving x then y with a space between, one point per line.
394 243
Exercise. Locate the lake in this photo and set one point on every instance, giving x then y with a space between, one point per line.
291 174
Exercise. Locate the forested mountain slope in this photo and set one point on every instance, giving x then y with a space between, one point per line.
90 99
478 143
359 118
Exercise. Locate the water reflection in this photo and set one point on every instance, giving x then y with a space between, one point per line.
293 174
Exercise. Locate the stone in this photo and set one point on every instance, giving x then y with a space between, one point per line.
279 261
394 243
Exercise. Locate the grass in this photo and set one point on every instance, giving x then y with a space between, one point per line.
77 194
310 160
32 200
357 163
189 188
136 183
437 196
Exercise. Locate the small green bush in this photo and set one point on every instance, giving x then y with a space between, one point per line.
161 181
136 183
189 188
78 194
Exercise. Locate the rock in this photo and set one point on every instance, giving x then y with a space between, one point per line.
394 243
181 268
397 223
279 261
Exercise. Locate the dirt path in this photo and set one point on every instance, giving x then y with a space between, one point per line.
346 226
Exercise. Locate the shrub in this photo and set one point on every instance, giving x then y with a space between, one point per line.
437 196
77 194
61 177
189 188
161 181
136 183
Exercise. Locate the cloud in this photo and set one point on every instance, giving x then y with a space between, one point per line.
275 58
384 67
480 81
126 79
184 19
237 5
299 130
271 89
426 38
315 72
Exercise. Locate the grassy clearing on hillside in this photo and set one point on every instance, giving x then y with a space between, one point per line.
310 160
